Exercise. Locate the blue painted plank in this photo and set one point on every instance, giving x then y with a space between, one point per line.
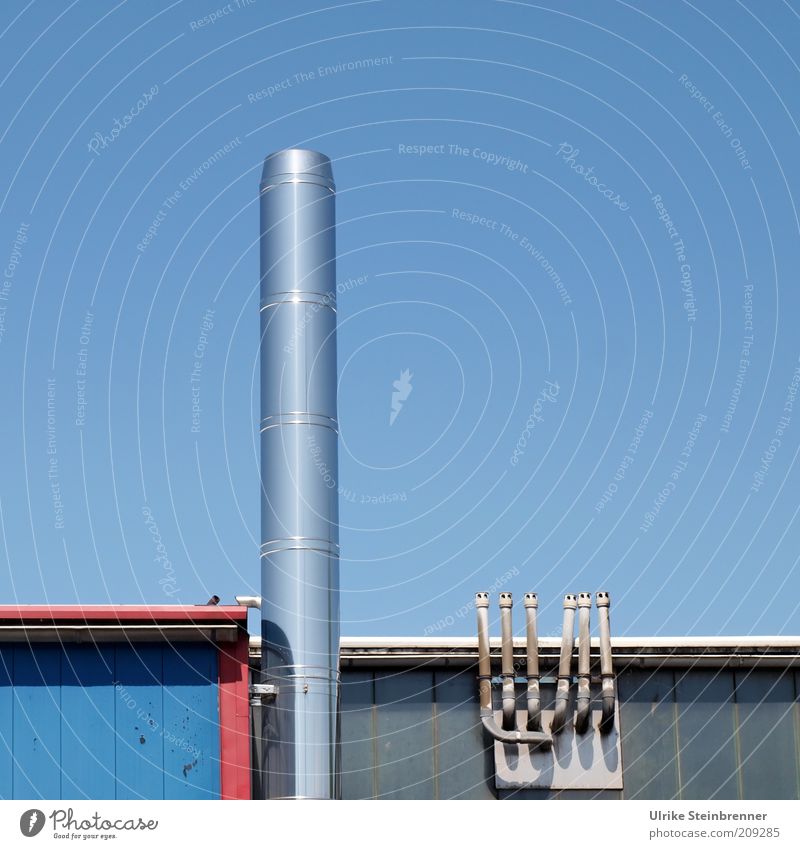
37 722
139 717
87 722
191 722
6 722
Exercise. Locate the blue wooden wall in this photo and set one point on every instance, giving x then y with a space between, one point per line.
116 721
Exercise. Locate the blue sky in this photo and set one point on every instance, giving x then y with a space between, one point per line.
575 226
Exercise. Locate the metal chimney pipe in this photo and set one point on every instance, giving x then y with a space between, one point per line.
299 469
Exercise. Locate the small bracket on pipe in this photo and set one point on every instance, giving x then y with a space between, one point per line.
263 693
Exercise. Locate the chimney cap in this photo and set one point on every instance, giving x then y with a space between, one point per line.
297 165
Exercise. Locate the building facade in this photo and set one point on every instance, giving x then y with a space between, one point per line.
154 702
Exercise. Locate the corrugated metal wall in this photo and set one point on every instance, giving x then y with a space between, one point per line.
686 734
109 721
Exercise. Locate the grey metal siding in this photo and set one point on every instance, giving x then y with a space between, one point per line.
463 760
405 735
766 703
707 723
358 735
695 733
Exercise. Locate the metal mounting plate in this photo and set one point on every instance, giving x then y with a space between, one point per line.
589 761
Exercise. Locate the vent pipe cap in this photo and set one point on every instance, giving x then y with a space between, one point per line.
297 165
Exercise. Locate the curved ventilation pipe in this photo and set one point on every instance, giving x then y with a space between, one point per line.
564 664
507 662
536 739
609 696
299 470
584 663
532 641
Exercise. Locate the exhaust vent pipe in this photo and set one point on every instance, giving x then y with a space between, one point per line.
609 690
506 731
484 654
299 471
584 663
532 640
507 661
565 664
547 747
